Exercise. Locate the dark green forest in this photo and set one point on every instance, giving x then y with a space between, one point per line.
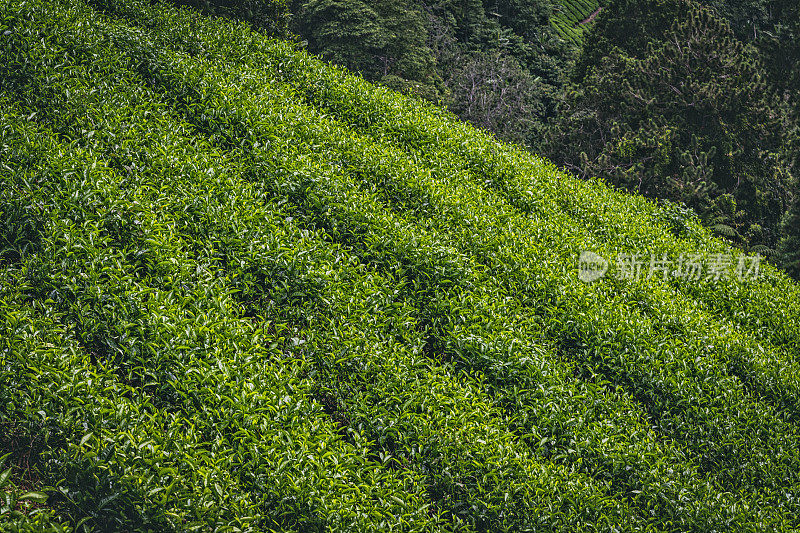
689 101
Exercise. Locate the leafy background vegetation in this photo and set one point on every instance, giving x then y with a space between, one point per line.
244 290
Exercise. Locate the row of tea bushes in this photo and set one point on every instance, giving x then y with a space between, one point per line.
356 338
625 224
193 366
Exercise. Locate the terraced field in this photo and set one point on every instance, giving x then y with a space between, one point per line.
241 290
573 17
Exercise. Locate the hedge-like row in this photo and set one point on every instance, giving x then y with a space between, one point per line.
626 224
568 16
230 254
123 224
354 150
492 439
482 426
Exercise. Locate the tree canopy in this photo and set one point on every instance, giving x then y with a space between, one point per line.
667 102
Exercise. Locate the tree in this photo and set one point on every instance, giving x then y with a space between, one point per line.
382 40
525 17
269 16
629 26
748 18
684 115
494 92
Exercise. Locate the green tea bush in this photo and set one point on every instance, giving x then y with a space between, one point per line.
569 16
242 290
770 309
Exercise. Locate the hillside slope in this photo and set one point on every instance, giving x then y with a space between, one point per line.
573 17
243 290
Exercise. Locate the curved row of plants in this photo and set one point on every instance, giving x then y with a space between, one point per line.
318 123
356 150
464 399
240 389
569 16
627 224
414 301
251 255
180 301
765 376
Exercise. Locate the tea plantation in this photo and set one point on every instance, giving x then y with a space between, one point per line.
572 17
242 290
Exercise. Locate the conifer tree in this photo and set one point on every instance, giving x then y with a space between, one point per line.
684 115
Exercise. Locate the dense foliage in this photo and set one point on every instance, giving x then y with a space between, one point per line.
384 40
270 16
691 120
242 290
790 242
496 64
